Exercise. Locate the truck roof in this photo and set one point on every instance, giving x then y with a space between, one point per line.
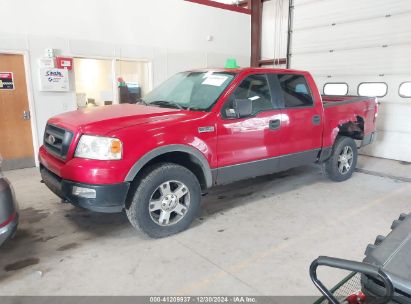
250 70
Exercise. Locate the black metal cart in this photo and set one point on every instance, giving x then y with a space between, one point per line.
384 276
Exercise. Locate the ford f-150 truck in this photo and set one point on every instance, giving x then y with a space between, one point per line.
199 129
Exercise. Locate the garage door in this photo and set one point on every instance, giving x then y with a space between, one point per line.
356 42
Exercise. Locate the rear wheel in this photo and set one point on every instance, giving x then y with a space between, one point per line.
166 200
341 165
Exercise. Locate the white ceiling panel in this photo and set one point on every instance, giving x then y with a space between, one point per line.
309 14
366 61
393 145
395 30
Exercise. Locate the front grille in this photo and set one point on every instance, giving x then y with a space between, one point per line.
57 140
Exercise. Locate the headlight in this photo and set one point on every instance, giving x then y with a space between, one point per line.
101 148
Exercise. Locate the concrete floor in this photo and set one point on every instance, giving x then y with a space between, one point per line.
256 237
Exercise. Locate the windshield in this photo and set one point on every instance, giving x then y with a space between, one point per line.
190 90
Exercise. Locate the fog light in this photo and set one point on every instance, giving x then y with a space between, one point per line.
84 192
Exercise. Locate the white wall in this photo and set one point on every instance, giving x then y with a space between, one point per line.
169 33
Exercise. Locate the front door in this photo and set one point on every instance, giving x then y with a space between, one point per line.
248 146
16 143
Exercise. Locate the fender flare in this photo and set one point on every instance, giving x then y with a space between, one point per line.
139 164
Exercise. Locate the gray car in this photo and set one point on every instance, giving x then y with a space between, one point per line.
8 209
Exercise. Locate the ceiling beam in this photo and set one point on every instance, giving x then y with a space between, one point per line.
256 29
229 7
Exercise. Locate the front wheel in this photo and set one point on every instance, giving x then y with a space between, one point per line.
341 165
166 201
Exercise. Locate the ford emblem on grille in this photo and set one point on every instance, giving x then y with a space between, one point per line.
51 139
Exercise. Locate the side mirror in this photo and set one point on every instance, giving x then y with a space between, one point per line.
241 108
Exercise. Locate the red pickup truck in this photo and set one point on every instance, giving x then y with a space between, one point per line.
199 129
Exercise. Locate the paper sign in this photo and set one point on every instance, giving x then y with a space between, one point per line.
6 81
54 80
215 80
46 63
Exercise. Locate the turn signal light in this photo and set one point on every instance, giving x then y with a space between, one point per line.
115 146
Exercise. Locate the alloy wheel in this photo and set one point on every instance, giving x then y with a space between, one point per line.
345 160
169 203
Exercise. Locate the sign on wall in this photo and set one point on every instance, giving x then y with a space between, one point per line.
6 81
54 80
64 63
46 63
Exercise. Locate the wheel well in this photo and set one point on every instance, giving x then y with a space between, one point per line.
180 158
355 129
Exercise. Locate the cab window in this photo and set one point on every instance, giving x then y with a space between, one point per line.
256 89
295 91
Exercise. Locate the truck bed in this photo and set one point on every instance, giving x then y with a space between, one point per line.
331 100
339 110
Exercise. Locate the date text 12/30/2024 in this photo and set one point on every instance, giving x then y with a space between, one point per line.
203 299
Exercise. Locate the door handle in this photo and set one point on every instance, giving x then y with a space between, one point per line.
316 119
274 124
26 115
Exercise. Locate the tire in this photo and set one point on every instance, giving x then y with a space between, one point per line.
159 210
336 167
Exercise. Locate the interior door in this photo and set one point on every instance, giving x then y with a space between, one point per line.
16 143
247 146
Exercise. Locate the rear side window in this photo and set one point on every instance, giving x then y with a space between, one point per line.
374 89
334 88
295 90
255 88
405 89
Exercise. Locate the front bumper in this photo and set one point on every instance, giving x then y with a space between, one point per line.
108 198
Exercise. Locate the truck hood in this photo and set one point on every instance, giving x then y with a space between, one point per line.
106 119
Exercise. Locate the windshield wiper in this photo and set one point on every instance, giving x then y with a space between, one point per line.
167 103
142 102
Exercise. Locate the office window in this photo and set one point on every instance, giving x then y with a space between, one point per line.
255 88
405 89
97 81
93 81
374 89
296 92
335 88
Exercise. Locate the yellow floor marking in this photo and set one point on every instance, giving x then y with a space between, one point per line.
237 267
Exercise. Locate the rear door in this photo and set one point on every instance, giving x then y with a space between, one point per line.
302 124
16 143
248 146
